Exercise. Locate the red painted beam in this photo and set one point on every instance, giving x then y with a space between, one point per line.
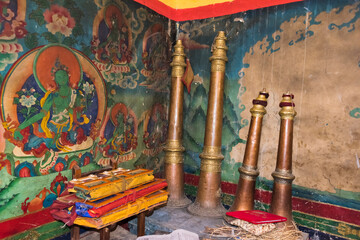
25 222
326 210
213 10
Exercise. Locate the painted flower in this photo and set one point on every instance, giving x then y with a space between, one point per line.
59 20
27 101
8 15
88 88
18 27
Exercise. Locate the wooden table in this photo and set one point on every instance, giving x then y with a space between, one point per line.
105 231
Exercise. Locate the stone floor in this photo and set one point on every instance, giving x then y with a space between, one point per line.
165 220
169 219
118 234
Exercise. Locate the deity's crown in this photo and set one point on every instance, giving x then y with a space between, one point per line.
58 66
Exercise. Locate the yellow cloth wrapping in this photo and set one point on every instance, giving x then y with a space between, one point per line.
93 188
140 205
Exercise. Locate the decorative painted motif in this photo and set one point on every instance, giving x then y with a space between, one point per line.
196 106
300 36
12 28
346 230
355 113
156 58
56 107
6 163
45 197
59 20
50 163
155 129
154 138
265 52
62 24
113 50
119 136
115 29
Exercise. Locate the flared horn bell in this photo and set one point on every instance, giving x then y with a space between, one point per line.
174 151
281 203
208 199
244 198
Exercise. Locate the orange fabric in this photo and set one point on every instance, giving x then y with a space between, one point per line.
210 10
93 188
140 205
188 77
129 196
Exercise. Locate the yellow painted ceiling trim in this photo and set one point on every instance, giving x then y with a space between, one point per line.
184 4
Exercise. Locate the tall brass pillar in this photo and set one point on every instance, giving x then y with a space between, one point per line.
281 203
208 202
244 198
174 157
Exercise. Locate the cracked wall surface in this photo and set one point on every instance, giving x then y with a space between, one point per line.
315 58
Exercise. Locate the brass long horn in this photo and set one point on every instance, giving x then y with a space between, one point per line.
174 150
244 198
281 203
208 202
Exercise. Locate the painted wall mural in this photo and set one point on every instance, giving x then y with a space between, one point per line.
87 82
154 130
46 197
55 22
355 113
119 135
156 58
306 48
73 93
13 28
115 29
324 83
112 45
57 102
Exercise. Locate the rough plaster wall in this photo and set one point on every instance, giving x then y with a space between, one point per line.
322 71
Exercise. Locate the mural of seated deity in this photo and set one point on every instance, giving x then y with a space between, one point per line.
156 58
112 45
54 100
120 133
155 129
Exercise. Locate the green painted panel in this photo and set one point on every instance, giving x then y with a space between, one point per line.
44 232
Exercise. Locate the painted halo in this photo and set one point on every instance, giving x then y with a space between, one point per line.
24 67
118 108
121 108
46 59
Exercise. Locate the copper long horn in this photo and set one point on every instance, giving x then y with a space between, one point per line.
174 151
244 198
208 202
281 203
